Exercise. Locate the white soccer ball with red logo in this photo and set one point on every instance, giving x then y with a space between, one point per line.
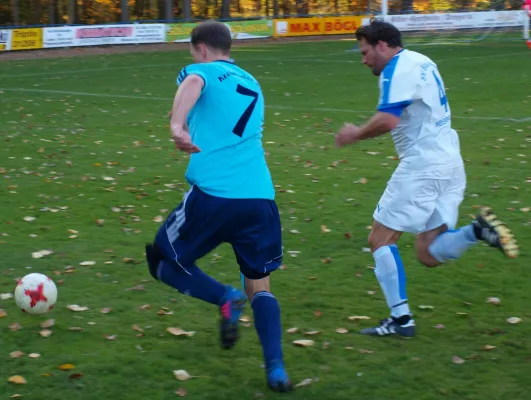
36 294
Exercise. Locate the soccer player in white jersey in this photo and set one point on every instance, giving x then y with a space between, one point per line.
425 191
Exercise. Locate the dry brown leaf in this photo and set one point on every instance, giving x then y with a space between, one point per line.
457 360
137 328
110 337
181 375
87 263
292 330
17 380
34 355
324 229
45 333
16 354
312 333
16 395
66 367
358 318
100 222
77 308
15 326
145 307
77 375
75 329
488 347
106 310
3 313
514 320
341 330
180 332
363 351
181 392
41 253
303 343
158 219
48 323
245 318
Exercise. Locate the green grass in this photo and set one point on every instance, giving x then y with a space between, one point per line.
57 147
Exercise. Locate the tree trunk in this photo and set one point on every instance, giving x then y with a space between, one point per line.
72 12
14 12
52 7
168 10
275 9
36 20
225 9
124 8
187 9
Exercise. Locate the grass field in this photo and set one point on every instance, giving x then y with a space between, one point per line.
85 147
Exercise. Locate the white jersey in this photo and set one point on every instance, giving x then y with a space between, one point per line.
424 138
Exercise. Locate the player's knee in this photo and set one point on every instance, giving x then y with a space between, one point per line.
377 240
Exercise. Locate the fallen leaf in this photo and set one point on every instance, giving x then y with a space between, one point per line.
17 380
158 219
29 219
66 367
514 320
77 375
105 310
312 333
318 313
457 360
34 355
6 296
145 307
181 375
358 318
324 229
3 313
48 323
493 300
16 395
292 330
75 329
303 343
306 382
87 263
137 328
181 392
341 330
41 253
363 351
110 337
16 354
422 307
180 332
45 333
77 308
439 326
488 347
15 326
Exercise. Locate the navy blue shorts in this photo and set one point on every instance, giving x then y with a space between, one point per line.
202 222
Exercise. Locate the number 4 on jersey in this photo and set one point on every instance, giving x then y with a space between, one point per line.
442 92
244 119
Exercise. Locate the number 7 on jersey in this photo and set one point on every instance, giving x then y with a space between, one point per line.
239 128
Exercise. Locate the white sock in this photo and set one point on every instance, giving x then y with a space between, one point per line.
390 273
450 245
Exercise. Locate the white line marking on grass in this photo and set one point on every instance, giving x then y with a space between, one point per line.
277 107
272 59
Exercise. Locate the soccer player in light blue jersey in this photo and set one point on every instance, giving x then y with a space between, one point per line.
217 118
424 193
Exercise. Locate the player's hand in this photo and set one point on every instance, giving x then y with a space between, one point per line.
183 141
347 135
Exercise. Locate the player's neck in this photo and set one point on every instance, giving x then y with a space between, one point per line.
218 57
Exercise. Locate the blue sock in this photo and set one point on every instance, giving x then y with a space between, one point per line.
450 245
267 323
191 281
390 273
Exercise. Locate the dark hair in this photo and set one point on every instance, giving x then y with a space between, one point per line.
379 30
214 34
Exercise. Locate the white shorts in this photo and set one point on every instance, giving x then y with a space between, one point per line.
416 204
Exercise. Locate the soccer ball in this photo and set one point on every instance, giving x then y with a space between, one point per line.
36 294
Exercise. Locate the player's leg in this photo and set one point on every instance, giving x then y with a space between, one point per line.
442 242
257 244
191 231
405 206
389 271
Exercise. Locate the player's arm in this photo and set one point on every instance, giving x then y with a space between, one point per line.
381 123
187 95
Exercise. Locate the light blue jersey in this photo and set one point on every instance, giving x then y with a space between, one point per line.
226 124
